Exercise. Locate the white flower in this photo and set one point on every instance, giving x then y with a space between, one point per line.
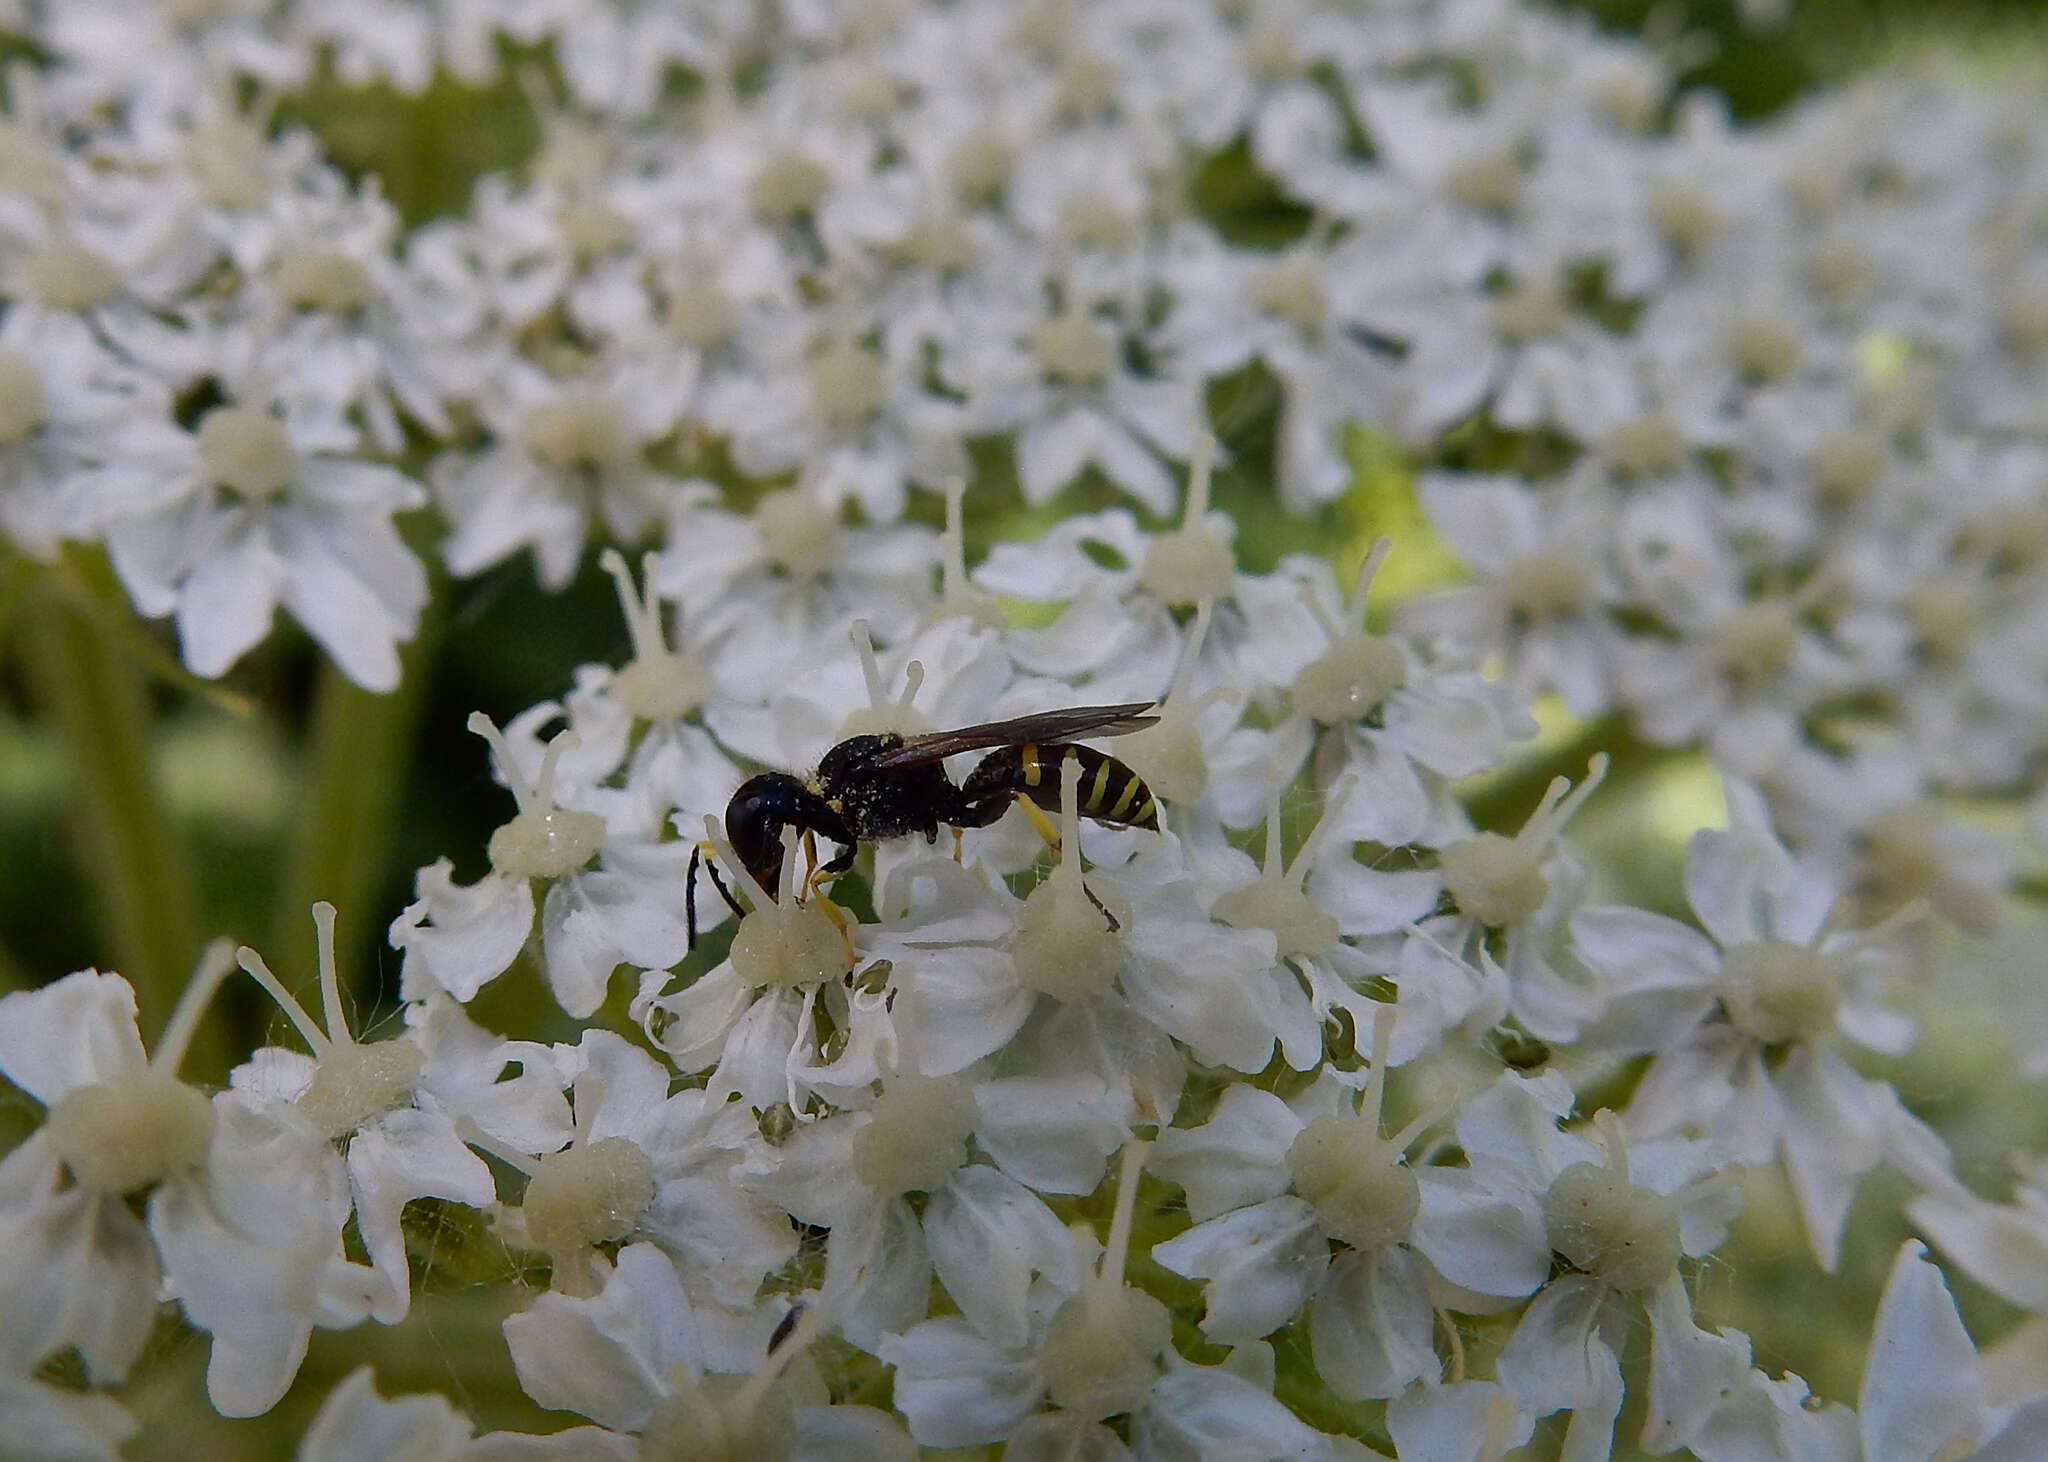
223 524
592 920
74 1426
1265 1260
395 1106
638 1358
1925 1390
77 1268
1765 1077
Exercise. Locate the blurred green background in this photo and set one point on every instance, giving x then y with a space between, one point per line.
142 811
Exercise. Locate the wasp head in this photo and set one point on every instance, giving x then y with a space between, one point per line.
754 820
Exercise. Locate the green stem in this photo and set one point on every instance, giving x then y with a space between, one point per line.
1504 799
134 860
360 755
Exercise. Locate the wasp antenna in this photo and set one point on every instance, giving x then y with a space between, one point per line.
690 891
690 900
722 850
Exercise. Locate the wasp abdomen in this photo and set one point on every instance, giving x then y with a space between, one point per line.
1110 791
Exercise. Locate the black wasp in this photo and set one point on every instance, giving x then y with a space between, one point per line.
889 786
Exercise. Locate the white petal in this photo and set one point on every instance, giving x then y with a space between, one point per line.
1261 1264
989 1235
849 1433
474 935
67 1426
607 1357
73 1032
1922 1386
1237 1157
401 1156
956 1387
355 1424
224 605
1481 1235
1372 1326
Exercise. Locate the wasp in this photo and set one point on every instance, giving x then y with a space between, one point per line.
868 788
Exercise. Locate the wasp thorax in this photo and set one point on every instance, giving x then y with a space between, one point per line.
916 1134
352 1084
1608 1227
245 449
66 275
323 279
590 1193
799 535
21 399
131 1132
1354 1179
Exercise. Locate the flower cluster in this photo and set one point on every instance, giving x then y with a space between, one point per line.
1739 435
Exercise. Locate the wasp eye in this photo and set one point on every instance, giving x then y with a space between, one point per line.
754 820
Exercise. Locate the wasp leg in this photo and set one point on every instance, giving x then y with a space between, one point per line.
707 855
1048 830
815 882
957 836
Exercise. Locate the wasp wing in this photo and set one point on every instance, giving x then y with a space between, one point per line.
1046 728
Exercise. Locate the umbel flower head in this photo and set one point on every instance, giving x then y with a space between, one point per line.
1571 446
